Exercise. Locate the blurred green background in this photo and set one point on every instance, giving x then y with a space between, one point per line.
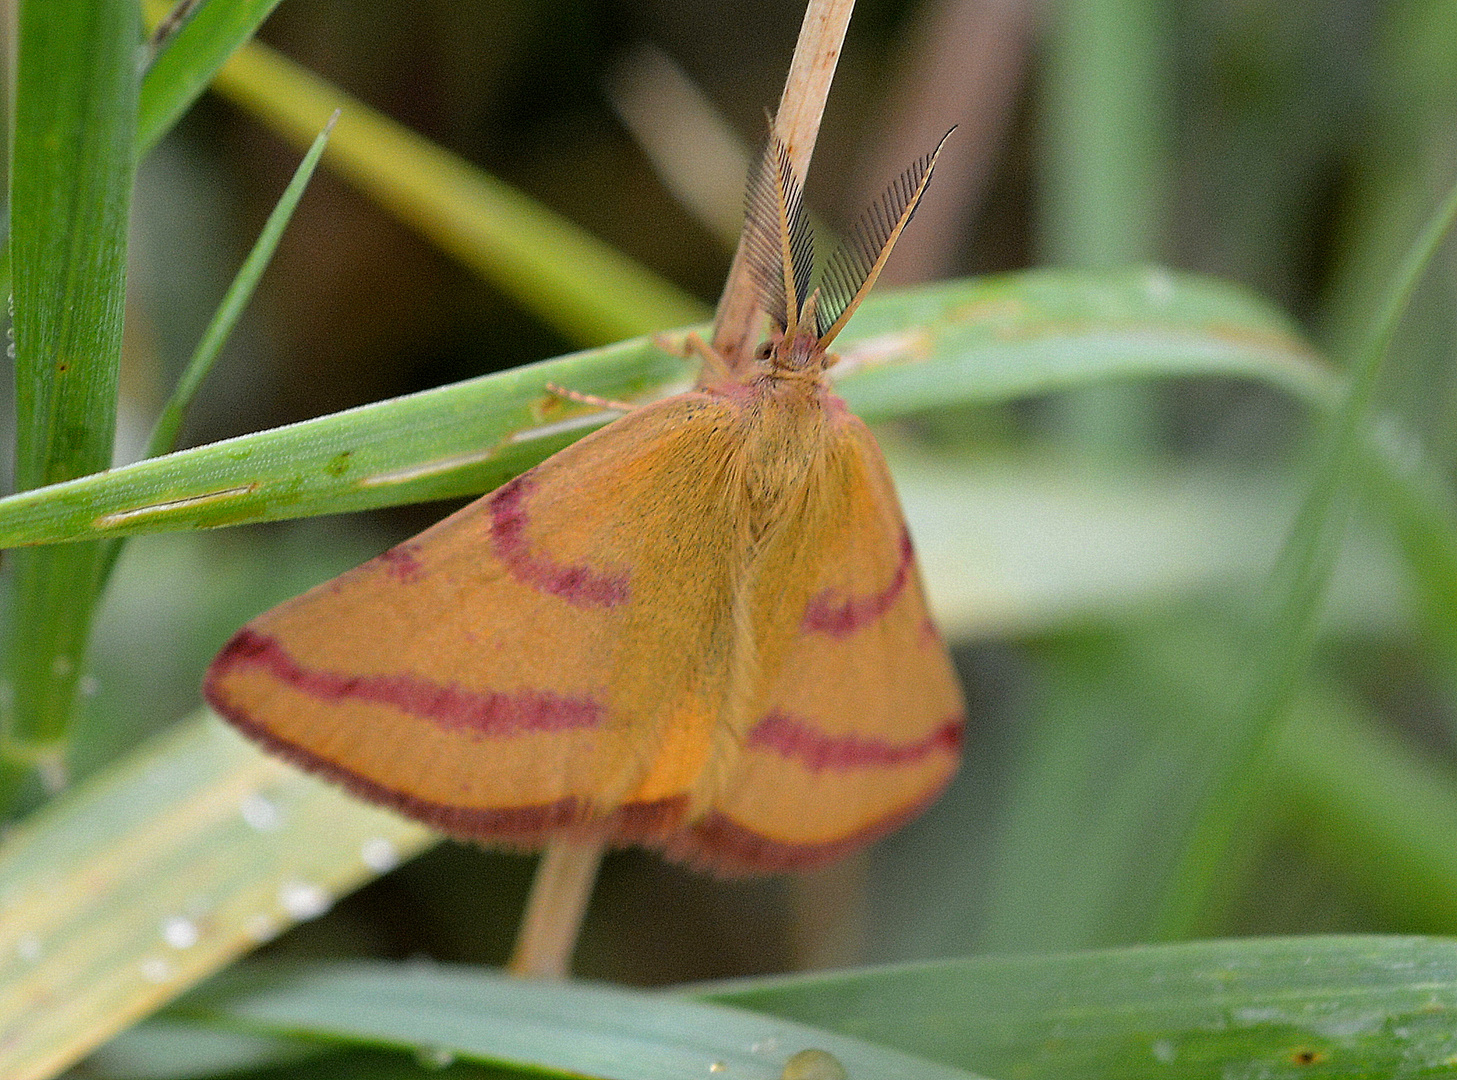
1294 147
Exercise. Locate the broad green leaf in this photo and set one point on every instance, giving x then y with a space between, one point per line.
963 342
70 190
1266 1007
451 1011
136 884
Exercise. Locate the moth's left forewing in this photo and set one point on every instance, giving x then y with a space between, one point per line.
858 726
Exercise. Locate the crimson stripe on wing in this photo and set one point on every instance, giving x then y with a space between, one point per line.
791 737
493 714
578 585
836 614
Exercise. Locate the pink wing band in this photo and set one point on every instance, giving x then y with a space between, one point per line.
492 714
838 615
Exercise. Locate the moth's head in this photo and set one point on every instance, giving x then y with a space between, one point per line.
798 351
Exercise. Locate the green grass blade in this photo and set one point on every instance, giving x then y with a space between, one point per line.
138 883
958 342
187 63
1105 138
70 191
567 277
1298 591
453 441
1106 145
1366 803
454 1012
1269 1007
164 434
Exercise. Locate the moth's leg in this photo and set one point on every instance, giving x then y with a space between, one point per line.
589 399
716 369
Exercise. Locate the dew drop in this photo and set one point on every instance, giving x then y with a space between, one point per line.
813 1065
261 813
435 1057
156 970
380 854
717 1067
28 948
54 775
261 927
1159 286
61 666
179 932
88 686
303 901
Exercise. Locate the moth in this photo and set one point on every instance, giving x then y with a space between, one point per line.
700 628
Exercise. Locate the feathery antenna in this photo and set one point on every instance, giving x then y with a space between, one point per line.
778 245
862 254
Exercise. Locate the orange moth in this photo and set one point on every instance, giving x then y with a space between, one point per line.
700 628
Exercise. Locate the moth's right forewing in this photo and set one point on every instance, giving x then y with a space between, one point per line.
857 723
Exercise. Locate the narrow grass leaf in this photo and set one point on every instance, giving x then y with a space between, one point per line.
441 443
164 433
1298 589
188 62
972 342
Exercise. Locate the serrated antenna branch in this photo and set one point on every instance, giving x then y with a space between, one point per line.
857 262
778 245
